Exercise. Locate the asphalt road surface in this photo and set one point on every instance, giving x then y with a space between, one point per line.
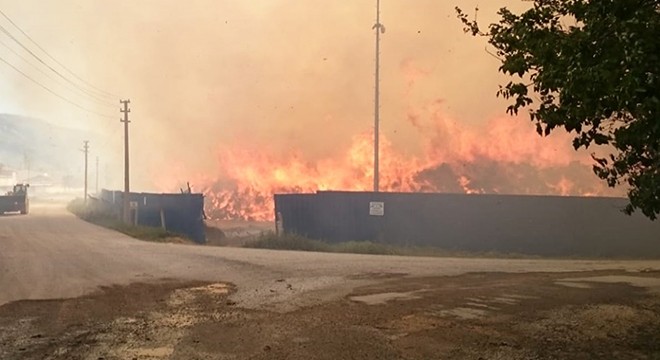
71 290
51 254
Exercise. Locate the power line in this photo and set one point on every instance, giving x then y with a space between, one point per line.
105 93
110 138
44 72
53 92
6 32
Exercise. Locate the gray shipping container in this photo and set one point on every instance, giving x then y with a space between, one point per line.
535 225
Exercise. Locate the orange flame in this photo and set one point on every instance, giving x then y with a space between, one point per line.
503 157
254 177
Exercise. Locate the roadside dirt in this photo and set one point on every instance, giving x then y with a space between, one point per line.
235 232
585 315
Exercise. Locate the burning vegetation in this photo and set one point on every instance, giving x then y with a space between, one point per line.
503 157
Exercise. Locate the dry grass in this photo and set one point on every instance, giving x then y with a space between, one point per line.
269 240
95 213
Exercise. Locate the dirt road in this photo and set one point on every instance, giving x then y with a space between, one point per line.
105 296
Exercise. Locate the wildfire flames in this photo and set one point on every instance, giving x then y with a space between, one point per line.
504 157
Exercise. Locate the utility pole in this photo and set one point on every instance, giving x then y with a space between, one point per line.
97 176
379 30
26 161
127 187
86 151
106 172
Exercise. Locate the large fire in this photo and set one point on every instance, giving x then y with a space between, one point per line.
504 157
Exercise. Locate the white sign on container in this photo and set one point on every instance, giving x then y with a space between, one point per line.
376 208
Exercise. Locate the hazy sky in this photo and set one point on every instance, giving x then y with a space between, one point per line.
275 75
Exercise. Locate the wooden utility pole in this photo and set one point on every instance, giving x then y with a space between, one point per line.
127 187
86 151
97 176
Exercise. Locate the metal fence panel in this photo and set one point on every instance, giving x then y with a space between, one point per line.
181 213
541 225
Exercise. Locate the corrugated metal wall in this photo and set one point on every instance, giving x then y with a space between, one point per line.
541 225
182 213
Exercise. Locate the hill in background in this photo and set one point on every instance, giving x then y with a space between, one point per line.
45 150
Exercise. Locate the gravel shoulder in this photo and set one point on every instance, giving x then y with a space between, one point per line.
470 316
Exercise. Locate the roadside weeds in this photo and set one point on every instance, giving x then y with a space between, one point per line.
272 241
94 213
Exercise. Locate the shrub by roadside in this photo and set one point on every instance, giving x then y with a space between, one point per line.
95 213
269 240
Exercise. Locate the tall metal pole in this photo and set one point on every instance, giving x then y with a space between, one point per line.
127 187
86 151
379 30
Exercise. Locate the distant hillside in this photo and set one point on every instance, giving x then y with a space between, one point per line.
47 147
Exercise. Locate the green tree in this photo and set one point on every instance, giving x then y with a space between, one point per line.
592 68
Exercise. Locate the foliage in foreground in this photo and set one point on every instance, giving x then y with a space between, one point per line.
269 240
593 68
94 213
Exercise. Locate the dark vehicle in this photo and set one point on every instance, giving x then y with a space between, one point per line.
16 200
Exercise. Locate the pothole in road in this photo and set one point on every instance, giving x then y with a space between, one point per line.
650 283
150 334
183 296
478 307
213 289
382 298
462 312
574 284
150 353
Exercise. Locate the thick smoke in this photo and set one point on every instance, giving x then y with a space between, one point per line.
247 98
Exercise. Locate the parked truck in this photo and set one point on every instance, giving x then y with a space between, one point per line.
15 200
